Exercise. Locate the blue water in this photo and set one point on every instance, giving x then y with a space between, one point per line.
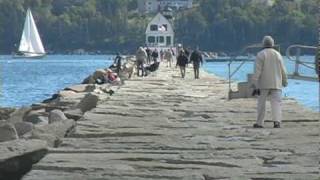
23 82
306 92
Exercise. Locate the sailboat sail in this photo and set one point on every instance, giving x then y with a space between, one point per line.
30 40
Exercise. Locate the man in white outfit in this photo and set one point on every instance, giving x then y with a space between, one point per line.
268 79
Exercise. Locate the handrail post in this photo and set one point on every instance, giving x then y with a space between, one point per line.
229 78
296 70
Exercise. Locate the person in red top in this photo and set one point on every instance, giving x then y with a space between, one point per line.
111 77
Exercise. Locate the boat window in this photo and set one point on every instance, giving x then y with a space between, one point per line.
151 39
154 27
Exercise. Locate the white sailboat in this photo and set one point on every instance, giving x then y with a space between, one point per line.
30 43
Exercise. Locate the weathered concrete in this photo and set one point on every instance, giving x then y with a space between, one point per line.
17 157
5 112
18 114
81 88
36 116
74 114
56 116
54 132
88 102
23 127
7 131
165 127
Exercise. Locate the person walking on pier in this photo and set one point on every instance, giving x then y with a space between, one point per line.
268 79
141 57
148 51
169 57
161 55
196 59
182 61
155 55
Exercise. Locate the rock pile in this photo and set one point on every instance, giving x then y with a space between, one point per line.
27 132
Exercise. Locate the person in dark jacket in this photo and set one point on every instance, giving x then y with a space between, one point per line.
155 55
148 51
182 61
196 59
117 62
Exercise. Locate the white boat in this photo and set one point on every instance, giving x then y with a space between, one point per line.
30 43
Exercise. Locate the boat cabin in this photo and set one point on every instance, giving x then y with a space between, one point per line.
159 32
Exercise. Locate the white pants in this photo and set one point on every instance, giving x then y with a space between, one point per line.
275 101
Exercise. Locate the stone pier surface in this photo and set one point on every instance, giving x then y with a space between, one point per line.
164 127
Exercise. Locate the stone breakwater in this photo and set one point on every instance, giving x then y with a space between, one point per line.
165 127
27 133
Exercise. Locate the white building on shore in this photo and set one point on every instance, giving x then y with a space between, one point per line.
151 6
159 32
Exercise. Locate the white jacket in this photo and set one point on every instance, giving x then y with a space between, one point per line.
270 72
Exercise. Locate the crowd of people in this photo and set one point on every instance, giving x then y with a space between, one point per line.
148 60
268 79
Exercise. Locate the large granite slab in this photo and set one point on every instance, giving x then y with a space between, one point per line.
17 157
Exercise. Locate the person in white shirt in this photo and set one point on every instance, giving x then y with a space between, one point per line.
141 59
268 80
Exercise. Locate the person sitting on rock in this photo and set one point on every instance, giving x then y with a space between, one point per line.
153 67
111 78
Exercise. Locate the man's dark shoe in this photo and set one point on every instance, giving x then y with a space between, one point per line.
276 125
257 126
256 92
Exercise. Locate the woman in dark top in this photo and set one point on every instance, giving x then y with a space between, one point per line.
182 61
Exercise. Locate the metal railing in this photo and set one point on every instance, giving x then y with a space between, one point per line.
243 52
299 62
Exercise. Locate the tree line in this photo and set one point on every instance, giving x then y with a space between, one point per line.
115 25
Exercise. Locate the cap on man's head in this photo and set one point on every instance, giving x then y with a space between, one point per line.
268 41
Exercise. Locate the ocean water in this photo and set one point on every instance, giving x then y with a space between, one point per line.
305 92
23 82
